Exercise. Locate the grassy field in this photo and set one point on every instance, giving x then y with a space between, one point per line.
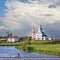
48 47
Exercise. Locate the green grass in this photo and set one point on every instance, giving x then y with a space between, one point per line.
10 44
48 47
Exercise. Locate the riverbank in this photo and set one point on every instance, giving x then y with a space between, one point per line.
48 47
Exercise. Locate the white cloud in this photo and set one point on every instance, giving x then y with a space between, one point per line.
3 28
19 13
42 1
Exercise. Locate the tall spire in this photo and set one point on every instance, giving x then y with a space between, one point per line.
41 28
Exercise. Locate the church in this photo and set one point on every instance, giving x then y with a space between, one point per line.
40 35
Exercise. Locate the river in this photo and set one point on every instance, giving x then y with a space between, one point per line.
10 51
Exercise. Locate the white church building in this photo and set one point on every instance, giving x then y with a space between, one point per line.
40 35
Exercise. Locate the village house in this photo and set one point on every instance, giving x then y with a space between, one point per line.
12 38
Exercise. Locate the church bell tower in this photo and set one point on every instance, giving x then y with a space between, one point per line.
41 28
33 33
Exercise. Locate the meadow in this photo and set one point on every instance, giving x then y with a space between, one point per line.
48 47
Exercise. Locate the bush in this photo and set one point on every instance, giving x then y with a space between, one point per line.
0 41
30 48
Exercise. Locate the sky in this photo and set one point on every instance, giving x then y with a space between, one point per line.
20 16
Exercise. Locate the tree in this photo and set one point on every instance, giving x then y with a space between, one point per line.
26 44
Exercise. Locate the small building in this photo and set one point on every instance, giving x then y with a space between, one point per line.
50 38
12 38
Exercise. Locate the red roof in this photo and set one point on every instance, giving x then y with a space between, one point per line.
12 37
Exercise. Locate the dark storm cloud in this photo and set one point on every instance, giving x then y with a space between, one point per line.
54 5
25 1
53 29
47 15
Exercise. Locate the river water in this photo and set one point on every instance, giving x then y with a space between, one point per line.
10 51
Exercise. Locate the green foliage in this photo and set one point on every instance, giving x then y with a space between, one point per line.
30 48
28 37
25 46
49 47
0 41
10 44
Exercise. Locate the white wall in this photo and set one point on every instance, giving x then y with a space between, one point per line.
12 39
38 36
49 38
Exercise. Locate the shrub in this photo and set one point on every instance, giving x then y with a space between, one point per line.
30 48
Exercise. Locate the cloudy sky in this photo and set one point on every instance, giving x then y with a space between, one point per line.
19 16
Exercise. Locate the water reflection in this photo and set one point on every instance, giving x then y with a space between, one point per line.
10 51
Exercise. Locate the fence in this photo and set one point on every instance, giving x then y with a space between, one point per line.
29 58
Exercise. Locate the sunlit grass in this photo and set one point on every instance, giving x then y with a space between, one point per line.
49 47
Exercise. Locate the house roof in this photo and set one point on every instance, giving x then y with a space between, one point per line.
12 36
43 34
